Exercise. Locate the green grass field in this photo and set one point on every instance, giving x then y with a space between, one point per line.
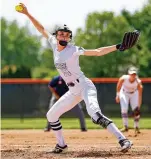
67 123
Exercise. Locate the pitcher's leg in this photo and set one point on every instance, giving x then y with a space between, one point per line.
51 103
90 98
65 103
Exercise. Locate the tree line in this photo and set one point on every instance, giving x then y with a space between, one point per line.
22 54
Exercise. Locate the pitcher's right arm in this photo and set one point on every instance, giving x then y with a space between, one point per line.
35 22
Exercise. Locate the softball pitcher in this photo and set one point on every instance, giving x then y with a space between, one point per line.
129 91
66 60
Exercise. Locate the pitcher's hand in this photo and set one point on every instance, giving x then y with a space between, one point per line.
24 10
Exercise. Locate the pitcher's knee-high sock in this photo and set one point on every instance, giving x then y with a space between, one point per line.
114 130
105 122
56 126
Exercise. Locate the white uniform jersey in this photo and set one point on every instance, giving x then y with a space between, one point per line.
67 64
67 60
128 86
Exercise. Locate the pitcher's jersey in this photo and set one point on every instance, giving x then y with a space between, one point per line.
128 86
67 60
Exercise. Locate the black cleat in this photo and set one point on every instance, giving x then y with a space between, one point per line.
59 149
125 145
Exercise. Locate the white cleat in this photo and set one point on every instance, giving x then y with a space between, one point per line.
125 145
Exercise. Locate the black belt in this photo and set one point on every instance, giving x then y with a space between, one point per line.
72 84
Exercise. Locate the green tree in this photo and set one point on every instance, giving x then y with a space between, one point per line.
102 29
46 68
19 50
141 20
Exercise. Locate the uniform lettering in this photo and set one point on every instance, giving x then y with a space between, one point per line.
63 68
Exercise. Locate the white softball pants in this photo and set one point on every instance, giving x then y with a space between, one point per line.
84 90
128 98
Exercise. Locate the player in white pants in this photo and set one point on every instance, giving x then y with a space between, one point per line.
66 60
129 91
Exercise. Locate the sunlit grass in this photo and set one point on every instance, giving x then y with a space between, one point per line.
67 123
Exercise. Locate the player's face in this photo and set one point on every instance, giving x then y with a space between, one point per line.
61 35
133 76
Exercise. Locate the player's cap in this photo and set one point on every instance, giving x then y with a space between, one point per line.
132 70
64 28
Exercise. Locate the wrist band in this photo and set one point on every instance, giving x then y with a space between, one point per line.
118 46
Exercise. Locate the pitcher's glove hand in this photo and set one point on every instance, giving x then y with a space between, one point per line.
129 40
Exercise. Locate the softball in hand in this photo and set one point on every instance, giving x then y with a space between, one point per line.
19 8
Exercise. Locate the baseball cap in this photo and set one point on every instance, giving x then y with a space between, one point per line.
132 70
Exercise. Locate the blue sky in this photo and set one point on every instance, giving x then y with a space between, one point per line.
70 12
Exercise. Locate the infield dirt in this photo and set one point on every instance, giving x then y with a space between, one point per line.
36 144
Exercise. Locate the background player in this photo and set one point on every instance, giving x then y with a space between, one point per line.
58 88
129 91
66 60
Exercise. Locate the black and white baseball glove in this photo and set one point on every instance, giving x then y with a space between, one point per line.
129 40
